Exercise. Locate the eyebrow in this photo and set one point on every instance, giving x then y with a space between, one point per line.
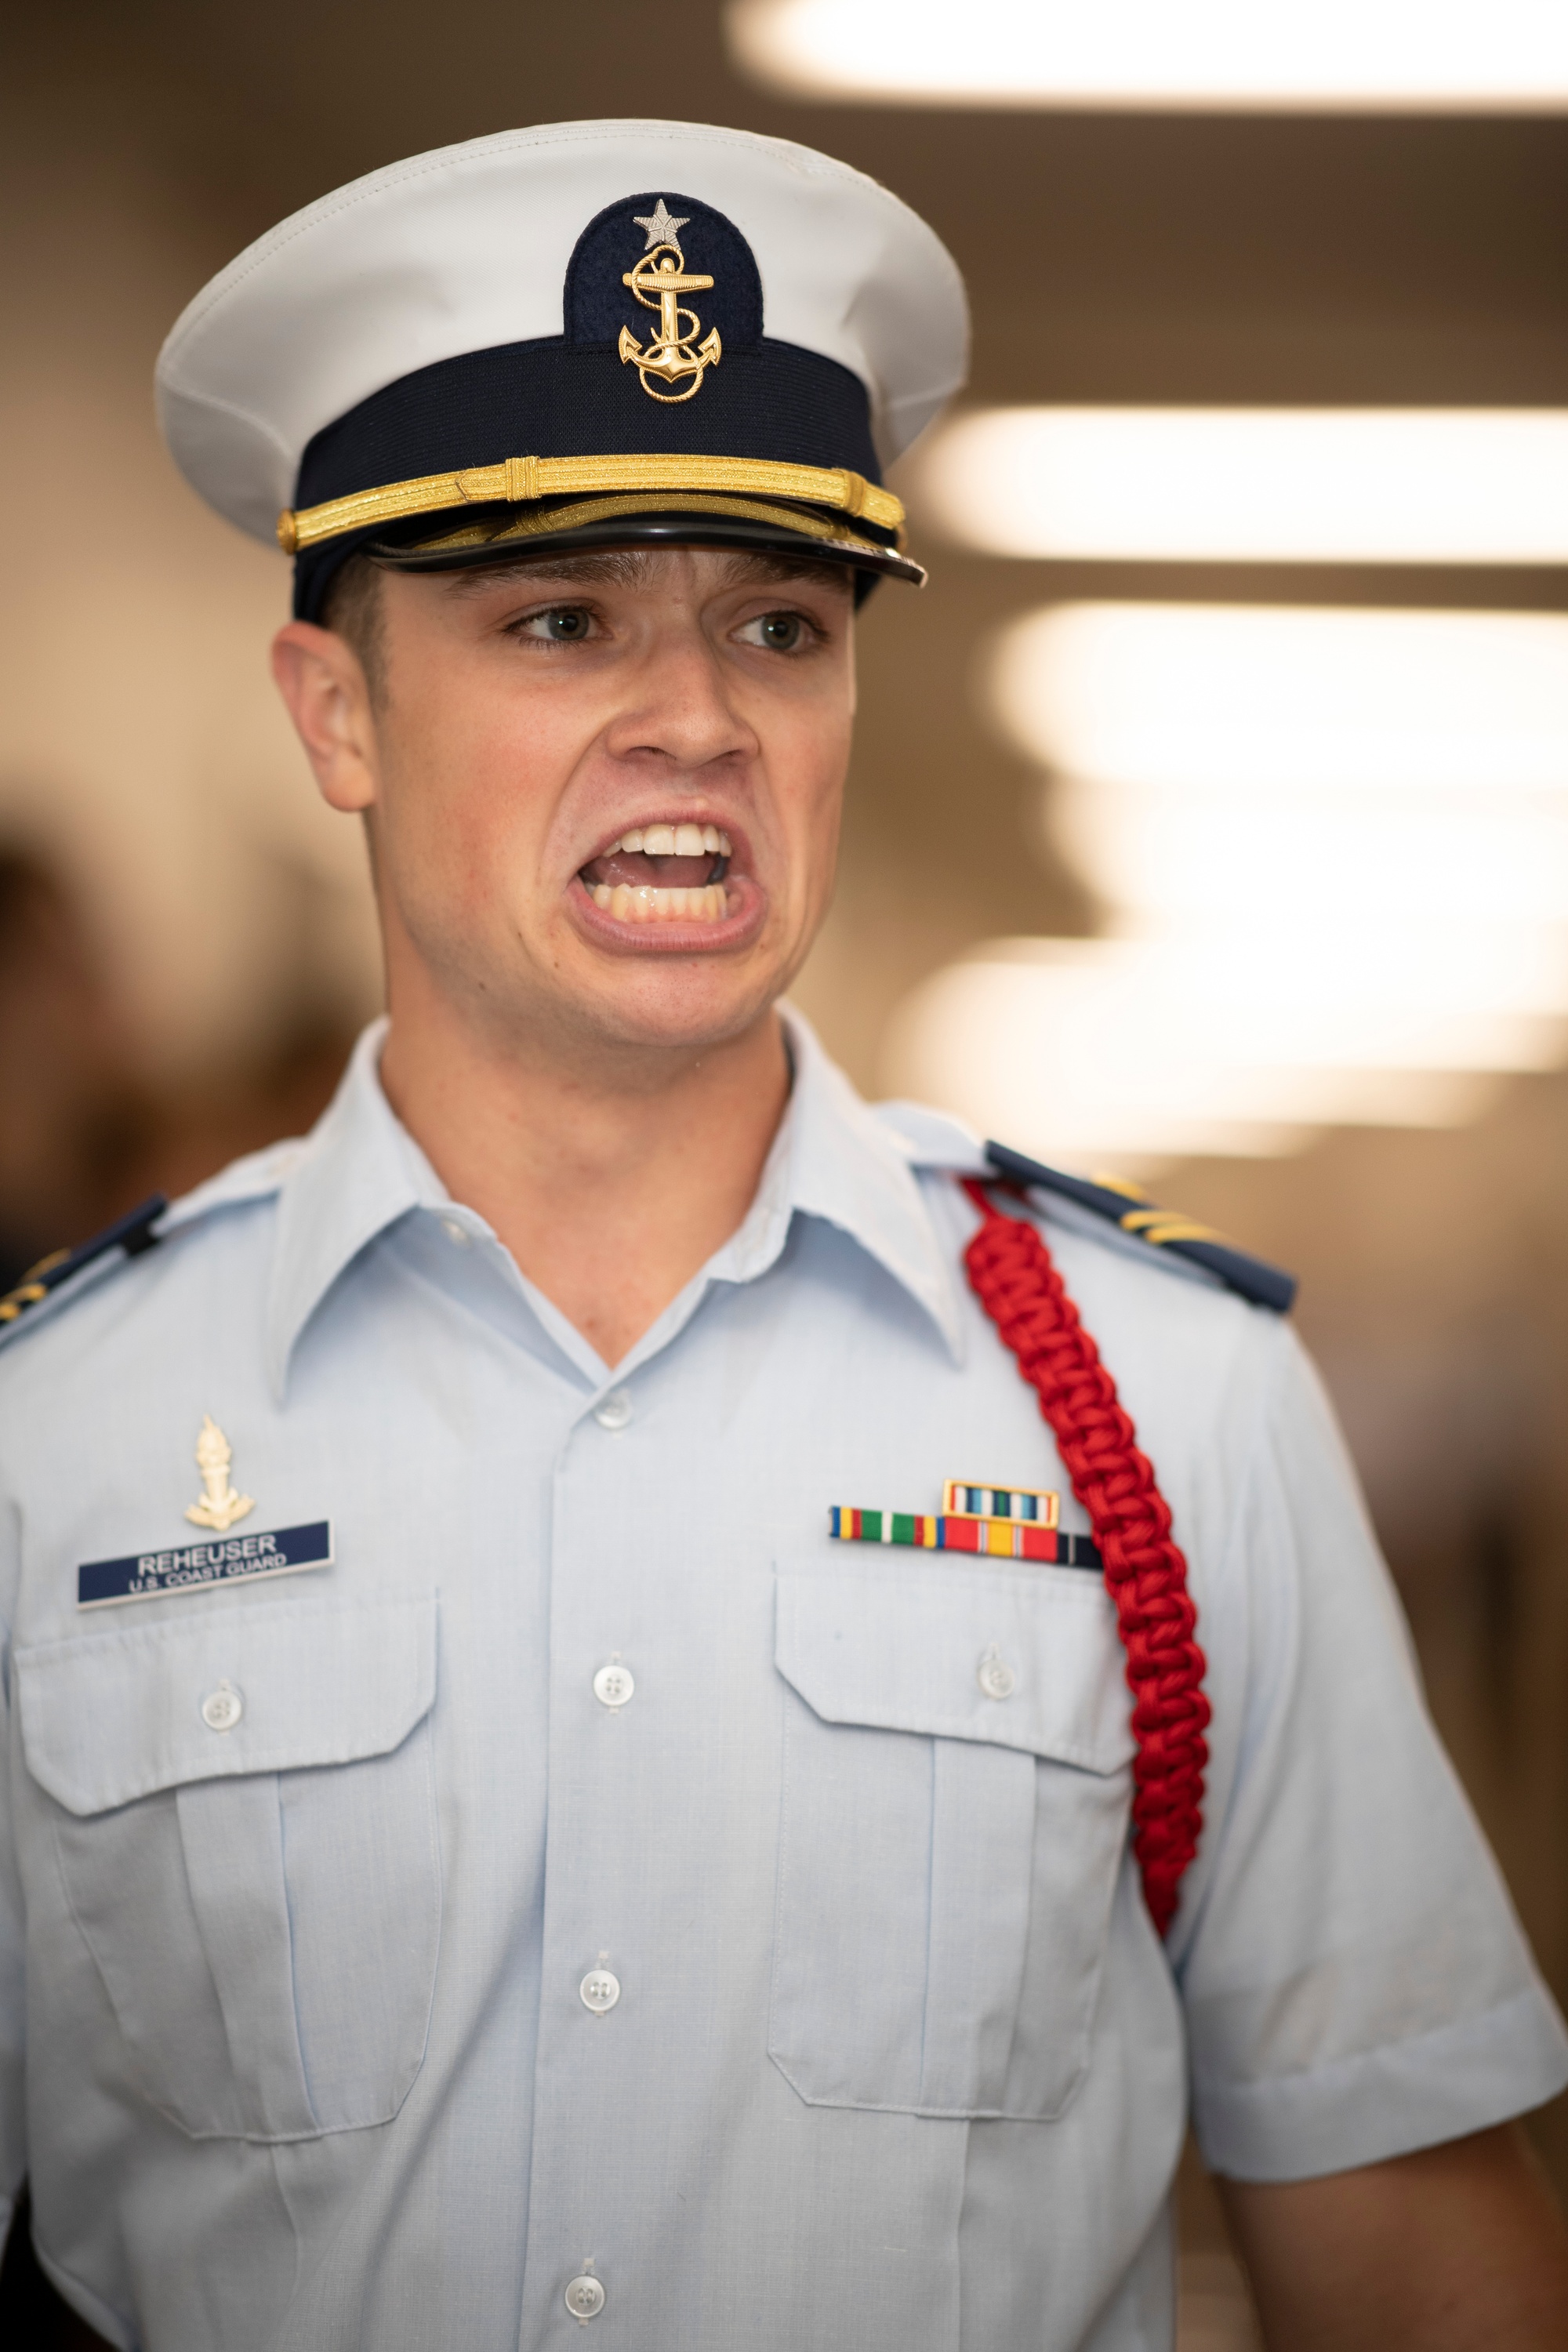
632 567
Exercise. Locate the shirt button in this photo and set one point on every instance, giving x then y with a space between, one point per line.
614 1411
455 1232
613 1685
996 1677
585 2297
600 1990
222 1708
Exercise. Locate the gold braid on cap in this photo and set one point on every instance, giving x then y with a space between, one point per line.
518 479
545 520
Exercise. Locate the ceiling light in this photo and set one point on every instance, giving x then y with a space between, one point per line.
1149 1048
1438 56
1257 698
1253 484
1334 844
1315 857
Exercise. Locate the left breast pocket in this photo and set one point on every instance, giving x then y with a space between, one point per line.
956 1785
245 1817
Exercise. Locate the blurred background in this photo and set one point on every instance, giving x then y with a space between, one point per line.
1209 821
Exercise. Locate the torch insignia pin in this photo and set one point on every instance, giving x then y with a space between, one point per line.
219 1507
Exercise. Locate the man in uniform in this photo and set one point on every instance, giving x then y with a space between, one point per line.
576 1808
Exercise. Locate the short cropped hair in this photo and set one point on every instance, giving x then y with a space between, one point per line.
352 609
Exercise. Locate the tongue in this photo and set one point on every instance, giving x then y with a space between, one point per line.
664 873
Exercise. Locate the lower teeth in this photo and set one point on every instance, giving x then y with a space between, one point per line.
642 903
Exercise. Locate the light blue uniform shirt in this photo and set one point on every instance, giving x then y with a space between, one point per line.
303 1878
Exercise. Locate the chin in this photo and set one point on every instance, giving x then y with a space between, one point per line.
681 1006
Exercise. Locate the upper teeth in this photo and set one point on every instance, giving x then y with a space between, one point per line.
673 840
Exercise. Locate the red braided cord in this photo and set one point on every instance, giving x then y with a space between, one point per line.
1022 1292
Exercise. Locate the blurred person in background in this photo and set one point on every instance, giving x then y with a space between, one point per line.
486 1857
86 1131
72 1121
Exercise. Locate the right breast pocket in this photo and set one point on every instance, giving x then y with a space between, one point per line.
245 1816
956 1789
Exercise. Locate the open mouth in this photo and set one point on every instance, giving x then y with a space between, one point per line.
662 874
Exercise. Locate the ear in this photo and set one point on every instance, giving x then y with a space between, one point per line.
322 681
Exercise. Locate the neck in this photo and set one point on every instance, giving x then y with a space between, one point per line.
612 1180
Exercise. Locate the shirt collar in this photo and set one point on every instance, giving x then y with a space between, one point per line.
833 1157
361 1172
836 1159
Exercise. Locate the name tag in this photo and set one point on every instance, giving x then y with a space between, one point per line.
197 1567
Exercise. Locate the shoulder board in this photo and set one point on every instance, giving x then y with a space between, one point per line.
133 1233
1163 1229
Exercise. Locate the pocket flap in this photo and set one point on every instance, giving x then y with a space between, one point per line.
902 1650
107 1717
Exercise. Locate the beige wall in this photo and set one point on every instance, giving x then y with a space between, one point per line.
140 739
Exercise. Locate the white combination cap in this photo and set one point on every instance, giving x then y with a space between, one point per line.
587 332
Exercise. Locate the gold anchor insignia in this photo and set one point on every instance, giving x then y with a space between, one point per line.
219 1505
659 277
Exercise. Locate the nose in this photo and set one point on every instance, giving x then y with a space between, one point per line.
679 712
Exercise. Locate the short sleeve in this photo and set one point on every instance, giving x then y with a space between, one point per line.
13 1982
1355 1981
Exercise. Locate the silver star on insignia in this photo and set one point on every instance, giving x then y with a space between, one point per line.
661 225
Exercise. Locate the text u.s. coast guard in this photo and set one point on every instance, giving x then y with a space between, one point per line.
140 1576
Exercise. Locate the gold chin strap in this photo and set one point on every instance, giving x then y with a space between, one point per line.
517 480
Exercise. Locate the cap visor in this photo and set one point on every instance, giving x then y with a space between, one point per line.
504 535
